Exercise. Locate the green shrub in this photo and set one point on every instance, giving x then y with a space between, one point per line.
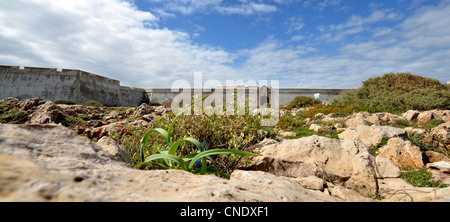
65 102
399 92
303 101
417 139
433 123
236 132
167 158
71 121
375 148
339 111
289 122
420 178
93 103
401 123
154 104
13 116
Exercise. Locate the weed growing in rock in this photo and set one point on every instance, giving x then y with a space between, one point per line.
167 158
13 116
420 178
375 148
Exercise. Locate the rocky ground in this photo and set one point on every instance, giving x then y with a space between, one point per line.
44 158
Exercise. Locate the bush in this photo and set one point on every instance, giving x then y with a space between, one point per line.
220 131
13 116
289 122
64 102
303 101
339 111
399 92
420 178
93 103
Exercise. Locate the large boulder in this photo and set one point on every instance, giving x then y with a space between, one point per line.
372 135
52 163
402 153
345 162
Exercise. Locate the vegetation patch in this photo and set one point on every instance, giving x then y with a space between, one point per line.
375 148
93 103
399 92
64 102
303 101
420 178
13 116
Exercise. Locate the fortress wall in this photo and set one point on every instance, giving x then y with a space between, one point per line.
164 95
80 86
68 84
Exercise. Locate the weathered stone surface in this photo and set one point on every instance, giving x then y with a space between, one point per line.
386 168
345 162
411 115
317 128
142 110
47 112
285 133
110 146
347 195
311 182
397 189
440 171
435 156
402 153
424 117
441 135
355 122
52 163
371 135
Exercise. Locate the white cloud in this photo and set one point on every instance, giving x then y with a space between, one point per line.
115 39
110 38
187 7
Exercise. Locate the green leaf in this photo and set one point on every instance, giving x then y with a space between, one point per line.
180 113
217 152
144 139
175 145
173 158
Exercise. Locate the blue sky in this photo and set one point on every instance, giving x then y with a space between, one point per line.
301 43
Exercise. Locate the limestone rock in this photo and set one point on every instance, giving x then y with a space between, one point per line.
53 163
397 189
402 153
355 122
386 168
424 117
411 115
317 128
440 171
345 162
45 113
442 133
433 156
371 135
285 133
142 110
110 146
347 195
311 182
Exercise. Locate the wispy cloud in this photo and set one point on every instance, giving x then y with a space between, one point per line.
115 39
187 7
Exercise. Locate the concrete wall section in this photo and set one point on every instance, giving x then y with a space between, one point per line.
328 95
164 95
133 96
71 85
